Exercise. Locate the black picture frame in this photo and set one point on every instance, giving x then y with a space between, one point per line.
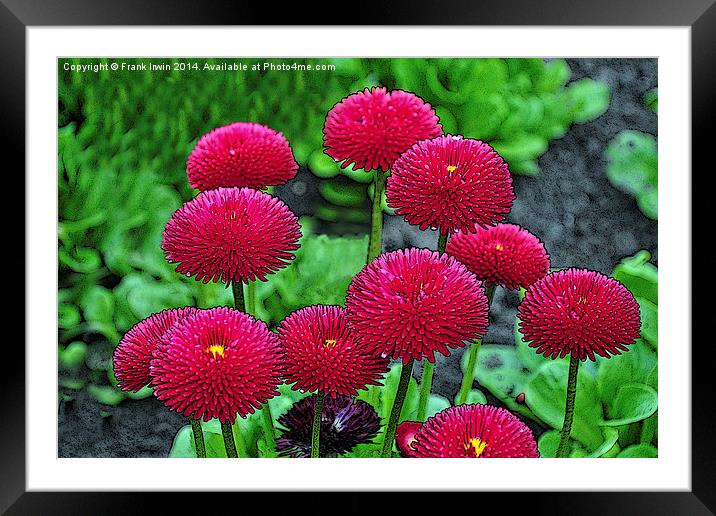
17 15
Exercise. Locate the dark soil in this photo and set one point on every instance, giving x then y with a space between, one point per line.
571 205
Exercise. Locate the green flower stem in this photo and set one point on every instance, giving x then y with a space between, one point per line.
425 385
229 443
198 438
376 224
251 298
269 432
238 288
397 408
469 376
426 381
248 305
569 407
316 430
442 242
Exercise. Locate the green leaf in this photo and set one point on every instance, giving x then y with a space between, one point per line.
437 403
501 371
106 394
588 99
634 402
323 165
545 394
610 442
649 321
73 355
521 147
651 100
633 168
639 276
634 365
547 444
475 396
639 451
183 444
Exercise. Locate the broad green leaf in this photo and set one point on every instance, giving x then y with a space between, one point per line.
500 370
73 355
633 168
475 396
589 99
436 403
106 394
545 394
634 365
639 276
610 442
639 451
547 444
651 100
634 402
183 445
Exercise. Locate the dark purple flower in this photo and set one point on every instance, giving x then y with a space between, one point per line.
345 423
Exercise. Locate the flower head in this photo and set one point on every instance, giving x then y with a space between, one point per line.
371 128
345 423
412 303
472 431
241 154
321 353
505 255
581 312
231 234
405 437
217 363
132 355
451 183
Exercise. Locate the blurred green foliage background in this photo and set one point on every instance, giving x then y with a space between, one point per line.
124 137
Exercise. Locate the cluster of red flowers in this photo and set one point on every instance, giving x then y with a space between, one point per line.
406 304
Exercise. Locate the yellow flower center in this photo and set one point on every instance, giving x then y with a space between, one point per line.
216 349
329 343
451 168
475 446
499 248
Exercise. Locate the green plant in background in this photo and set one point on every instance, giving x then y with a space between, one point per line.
616 406
633 164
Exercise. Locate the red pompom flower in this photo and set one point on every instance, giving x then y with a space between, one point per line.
217 363
371 128
231 234
470 431
412 303
132 355
579 312
505 255
451 183
241 154
322 355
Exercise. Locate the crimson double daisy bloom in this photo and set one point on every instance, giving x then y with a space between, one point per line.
371 128
505 255
241 154
321 353
579 312
231 234
217 363
468 431
133 353
412 303
450 183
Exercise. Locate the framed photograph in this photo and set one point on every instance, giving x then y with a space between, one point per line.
379 248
